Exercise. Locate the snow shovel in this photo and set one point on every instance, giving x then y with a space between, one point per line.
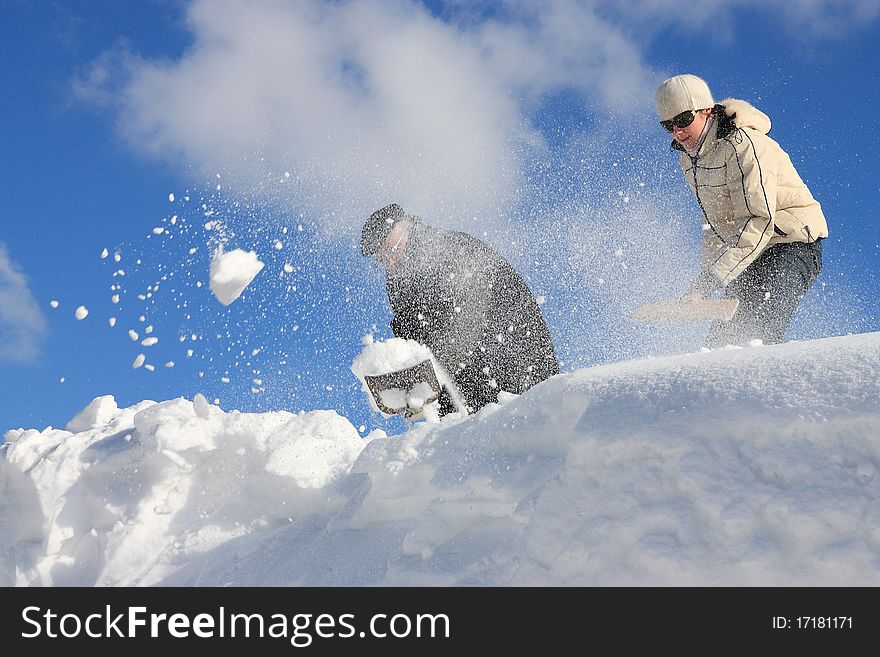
406 391
681 311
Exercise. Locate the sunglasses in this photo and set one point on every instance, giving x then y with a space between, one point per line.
682 120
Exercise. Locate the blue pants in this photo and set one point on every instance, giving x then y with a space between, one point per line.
769 291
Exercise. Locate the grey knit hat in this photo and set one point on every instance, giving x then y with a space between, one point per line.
378 226
682 93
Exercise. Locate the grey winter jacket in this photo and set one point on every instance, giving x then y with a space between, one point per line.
463 300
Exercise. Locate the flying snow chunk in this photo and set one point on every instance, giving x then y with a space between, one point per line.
149 342
81 312
53 303
232 272
104 254
138 361
171 197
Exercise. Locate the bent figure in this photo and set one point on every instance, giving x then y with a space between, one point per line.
460 298
762 228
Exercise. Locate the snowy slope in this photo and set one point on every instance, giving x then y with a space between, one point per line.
736 467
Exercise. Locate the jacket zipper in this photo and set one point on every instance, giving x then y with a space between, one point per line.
694 159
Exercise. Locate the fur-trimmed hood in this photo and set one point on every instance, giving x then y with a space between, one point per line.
745 115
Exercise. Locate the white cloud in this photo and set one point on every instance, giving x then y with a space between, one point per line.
367 103
22 325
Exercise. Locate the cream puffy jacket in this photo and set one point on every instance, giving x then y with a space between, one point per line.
750 193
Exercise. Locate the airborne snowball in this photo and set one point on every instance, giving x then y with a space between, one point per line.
232 272
138 361
81 312
53 303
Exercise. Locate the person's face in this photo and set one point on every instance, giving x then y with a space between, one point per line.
688 135
395 245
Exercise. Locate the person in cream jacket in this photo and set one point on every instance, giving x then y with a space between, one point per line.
762 228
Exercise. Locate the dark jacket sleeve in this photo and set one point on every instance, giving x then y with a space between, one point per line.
445 312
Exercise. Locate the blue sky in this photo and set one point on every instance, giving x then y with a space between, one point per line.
529 124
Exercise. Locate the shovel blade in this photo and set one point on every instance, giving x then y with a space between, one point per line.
405 381
679 311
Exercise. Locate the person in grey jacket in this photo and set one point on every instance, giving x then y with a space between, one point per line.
762 228
456 295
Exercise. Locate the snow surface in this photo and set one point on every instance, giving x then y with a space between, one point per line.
754 466
232 272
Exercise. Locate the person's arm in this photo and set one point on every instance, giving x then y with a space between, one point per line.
752 169
463 315
445 310
752 166
412 312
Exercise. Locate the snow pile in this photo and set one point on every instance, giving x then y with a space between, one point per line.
390 355
753 466
232 272
124 496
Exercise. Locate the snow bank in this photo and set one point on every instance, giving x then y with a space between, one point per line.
232 272
752 466
126 496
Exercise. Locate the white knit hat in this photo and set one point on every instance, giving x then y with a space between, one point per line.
682 93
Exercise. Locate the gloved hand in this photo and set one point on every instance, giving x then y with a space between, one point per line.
702 287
